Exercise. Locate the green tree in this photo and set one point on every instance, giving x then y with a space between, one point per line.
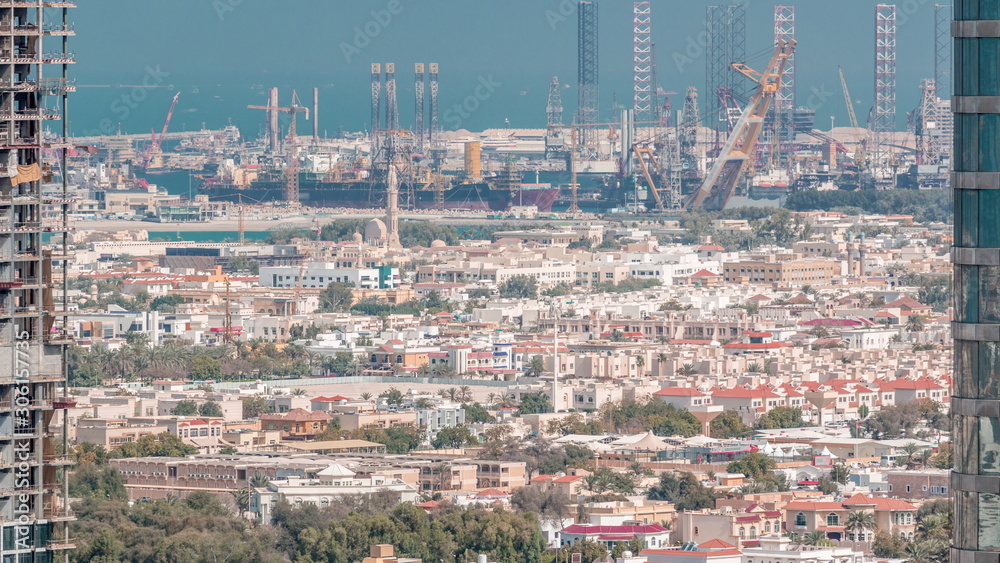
206 368
210 408
729 425
392 396
186 408
474 412
165 444
889 546
754 465
336 298
521 286
533 403
781 417
686 492
89 480
604 479
254 406
454 437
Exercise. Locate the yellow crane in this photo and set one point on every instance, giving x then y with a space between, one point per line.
859 151
734 158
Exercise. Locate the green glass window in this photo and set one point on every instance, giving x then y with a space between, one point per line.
989 57
989 125
966 362
970 71
970 218
989 214
967 296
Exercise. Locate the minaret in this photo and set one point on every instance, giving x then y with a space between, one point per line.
392 210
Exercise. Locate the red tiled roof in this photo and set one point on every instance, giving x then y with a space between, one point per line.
716 544
705 274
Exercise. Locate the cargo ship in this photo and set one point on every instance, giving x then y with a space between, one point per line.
339 187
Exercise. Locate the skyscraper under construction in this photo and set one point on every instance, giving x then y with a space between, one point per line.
34 63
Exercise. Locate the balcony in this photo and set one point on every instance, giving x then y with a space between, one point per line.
37 113
20 227
32 29
11 283
61 544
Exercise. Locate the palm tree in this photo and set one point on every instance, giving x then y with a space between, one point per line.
242 498
922 552
687 369
505 400
818 539
914 323
640 362
259 480
910 449
298 392
535 367
464 394
366 396
491 398
754 367
451 393
858 523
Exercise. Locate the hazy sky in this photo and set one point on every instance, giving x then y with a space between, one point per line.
230 49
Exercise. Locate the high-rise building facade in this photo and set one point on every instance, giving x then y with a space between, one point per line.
34 62
976 255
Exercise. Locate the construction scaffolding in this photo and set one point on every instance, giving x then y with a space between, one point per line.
642 63
933 127
688 131
554 108
418 104
884 111
376 117
784 99
588 87
726 44
34 280
432 79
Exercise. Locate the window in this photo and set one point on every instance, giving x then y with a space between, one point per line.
696 530
743 533
753 532
767 527
832 519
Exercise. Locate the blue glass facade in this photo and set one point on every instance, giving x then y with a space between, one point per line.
976 255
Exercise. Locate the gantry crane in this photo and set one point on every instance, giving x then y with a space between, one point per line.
720 183
157 142
859 151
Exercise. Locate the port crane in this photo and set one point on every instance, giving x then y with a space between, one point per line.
291 172
720 183
157 142
859 151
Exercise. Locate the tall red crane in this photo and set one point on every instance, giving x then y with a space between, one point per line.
157 142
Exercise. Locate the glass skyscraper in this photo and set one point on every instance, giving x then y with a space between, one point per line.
976 255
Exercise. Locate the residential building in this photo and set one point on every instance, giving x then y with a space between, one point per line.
321 274
922 484
892 516
652 536
296 424
324 488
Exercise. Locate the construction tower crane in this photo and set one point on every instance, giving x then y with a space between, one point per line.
859 151
157 142
291 155
292 111
720 183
